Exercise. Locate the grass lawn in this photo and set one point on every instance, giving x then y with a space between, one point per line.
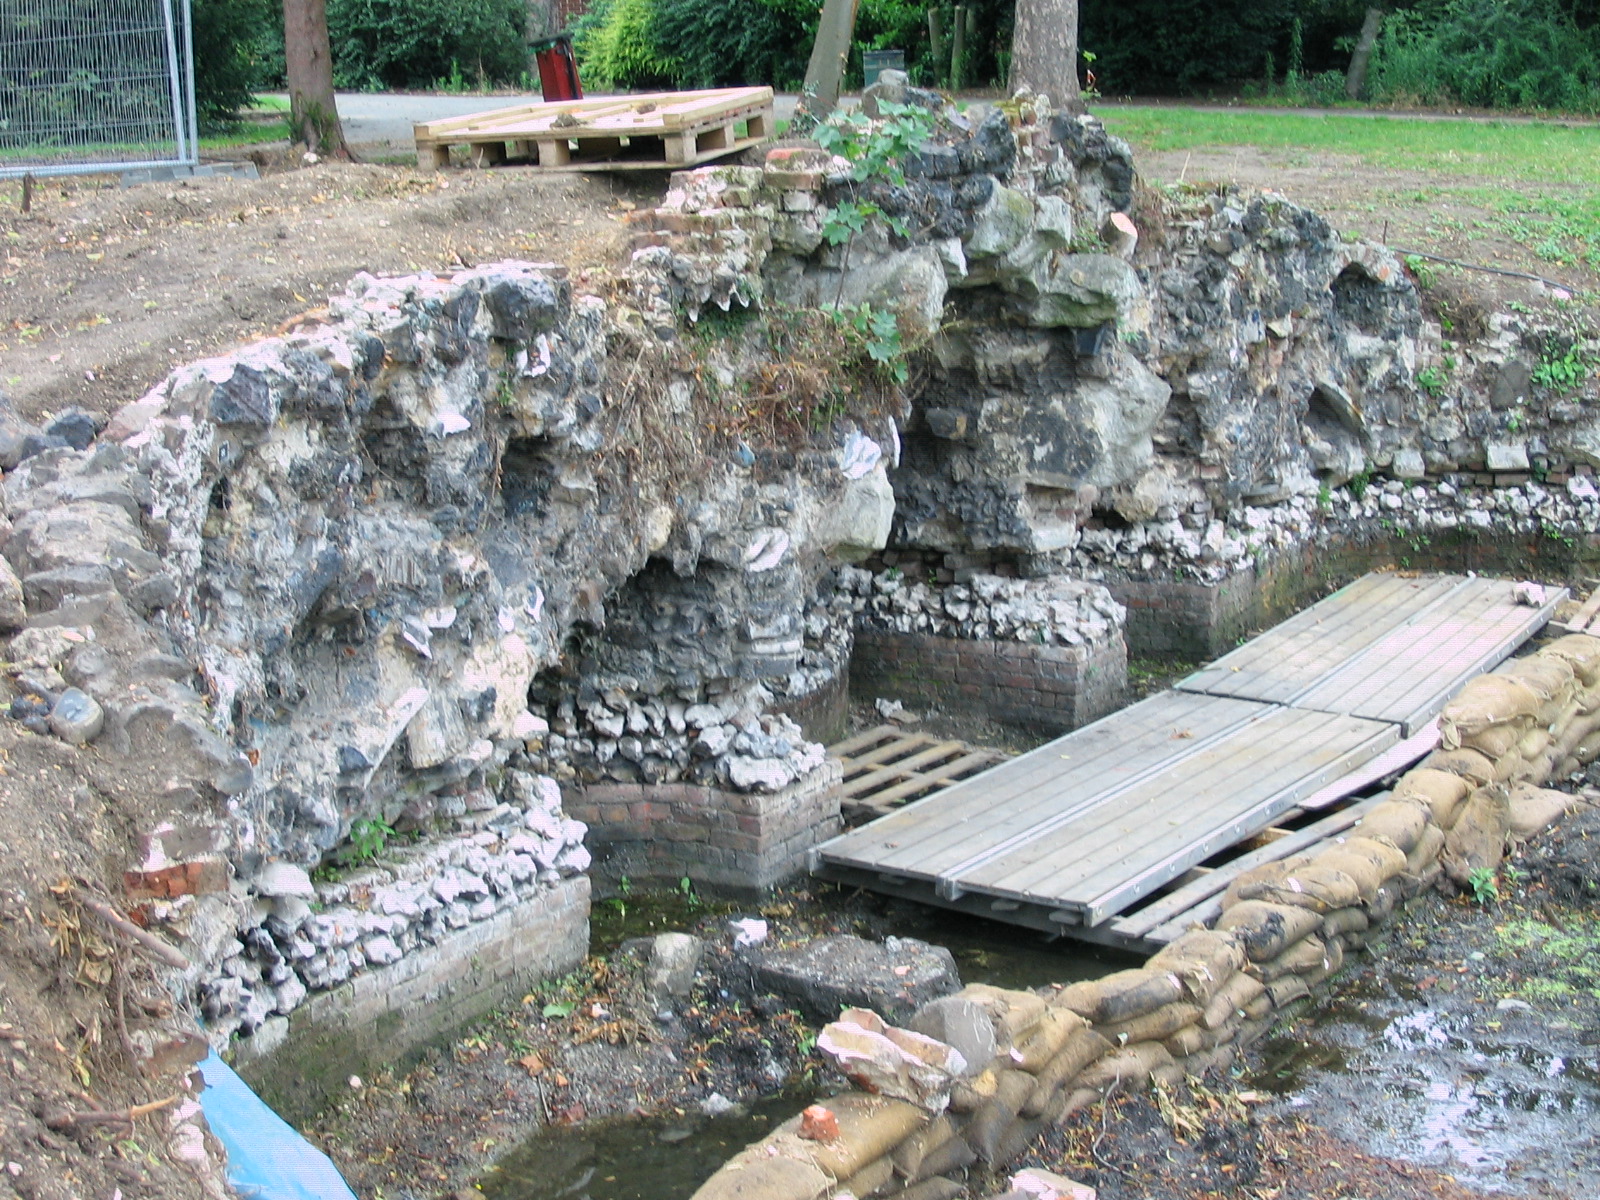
1535 184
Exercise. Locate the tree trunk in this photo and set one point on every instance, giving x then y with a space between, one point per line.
1044 50
1356 78
313 115
829 53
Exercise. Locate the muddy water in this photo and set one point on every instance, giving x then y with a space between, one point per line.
667 1159
658 1159
1500 1095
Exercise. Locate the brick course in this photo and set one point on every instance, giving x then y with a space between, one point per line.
1054 688
730 841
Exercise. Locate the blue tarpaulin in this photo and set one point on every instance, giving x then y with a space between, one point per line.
267 1159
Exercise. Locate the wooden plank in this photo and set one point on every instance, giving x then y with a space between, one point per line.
887 752
1282 661
1418 746
1407 676
919 780
861 741
931 836
1158 829
1588 611
1181 900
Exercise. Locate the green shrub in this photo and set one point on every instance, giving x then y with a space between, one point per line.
229 63
732 43
617 46
381 44
1488 53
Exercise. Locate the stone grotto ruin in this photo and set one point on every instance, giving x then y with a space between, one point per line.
475 569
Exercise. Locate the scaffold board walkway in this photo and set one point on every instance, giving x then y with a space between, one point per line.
1075 836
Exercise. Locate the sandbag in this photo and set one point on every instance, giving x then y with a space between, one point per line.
1014 1013
1305 955
870 1180
1401 821
966 1097
869 1128
1483 702
1203 959
1382 905
1547 676
1077 1100
758 1176
1260 1007
1588 749
1249 884
1120 996
1344 920
1497 741
1231 1000
1579 651
989 1123
1535 809
1018 1138
1153 1026
1190 1040
1082 1048
1253 1031
1442 791
1369 861
1472 765
1332 961
1055 1027
1533 743
1317 886
908 1155
1286 989
1477 840
1426 852
1575 732
1126 1069
945 1158
1266 930
937 1188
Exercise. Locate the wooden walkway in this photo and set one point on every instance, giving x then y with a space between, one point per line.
1095 833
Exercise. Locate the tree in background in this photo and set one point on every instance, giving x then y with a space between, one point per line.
308 63
1044 50
227 66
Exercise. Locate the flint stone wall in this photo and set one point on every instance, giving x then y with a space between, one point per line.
378 1019
737 842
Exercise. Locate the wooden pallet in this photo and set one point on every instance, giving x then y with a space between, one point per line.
1587 618
886 767
653 131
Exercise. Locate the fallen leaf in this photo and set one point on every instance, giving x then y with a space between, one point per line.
532 1063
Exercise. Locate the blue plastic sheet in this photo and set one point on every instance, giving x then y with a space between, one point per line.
267 1159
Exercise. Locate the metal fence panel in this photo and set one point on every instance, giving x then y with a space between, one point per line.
95 85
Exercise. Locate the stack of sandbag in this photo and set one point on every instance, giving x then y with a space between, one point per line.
1531 719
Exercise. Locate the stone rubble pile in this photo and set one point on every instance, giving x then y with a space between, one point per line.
1210 549
1055 610
719 736
304 936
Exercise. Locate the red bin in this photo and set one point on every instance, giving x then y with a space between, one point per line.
558 70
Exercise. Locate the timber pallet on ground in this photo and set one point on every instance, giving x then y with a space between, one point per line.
886 766
653 131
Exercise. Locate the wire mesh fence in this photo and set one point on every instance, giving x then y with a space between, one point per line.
95 85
